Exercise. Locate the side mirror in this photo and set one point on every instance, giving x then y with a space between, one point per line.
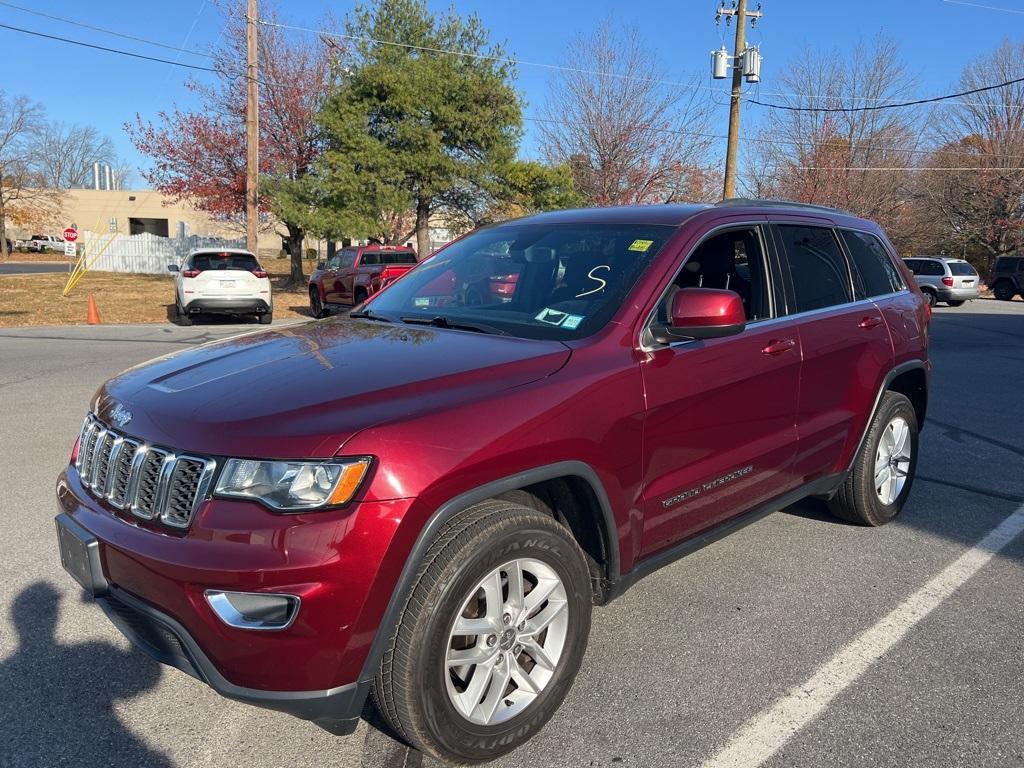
702 313
172 267
321 264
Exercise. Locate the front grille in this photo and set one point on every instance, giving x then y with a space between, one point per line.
150 482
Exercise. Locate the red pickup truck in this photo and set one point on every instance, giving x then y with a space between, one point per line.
353 275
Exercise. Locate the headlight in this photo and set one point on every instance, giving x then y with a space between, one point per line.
293 486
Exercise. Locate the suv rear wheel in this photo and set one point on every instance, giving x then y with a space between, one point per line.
883 471
492 636
1003 290
930 296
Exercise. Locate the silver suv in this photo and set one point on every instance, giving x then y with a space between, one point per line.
941 278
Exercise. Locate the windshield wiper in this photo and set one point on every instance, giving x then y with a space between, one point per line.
440 321
369 314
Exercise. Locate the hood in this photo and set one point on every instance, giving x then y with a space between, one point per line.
304 390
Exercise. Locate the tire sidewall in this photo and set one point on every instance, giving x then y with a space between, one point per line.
445 726
892 406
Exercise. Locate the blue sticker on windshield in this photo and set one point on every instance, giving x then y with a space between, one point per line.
572 322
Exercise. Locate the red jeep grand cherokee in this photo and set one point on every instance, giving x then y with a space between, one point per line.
424 501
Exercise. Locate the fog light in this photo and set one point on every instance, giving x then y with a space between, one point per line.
254 610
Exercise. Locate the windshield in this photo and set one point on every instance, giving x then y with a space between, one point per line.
534 280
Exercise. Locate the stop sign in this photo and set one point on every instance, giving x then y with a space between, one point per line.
70 234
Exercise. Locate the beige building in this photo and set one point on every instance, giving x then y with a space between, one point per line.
134 211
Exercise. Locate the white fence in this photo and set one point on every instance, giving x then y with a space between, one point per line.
145 253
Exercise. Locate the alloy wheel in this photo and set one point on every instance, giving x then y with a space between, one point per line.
506 642
892 460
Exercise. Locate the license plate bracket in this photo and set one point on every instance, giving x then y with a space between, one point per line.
80 555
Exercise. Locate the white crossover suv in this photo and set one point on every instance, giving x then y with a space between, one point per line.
226 281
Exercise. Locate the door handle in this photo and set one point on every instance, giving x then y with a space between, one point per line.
775 346
870 322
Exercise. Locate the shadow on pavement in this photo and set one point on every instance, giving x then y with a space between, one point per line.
57 701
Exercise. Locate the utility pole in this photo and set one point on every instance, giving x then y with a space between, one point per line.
746 63
252 133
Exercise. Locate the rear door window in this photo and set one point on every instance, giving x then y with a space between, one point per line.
873 271
932 268
817 267
369 259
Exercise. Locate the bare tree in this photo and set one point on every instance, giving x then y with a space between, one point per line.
64 154
19 184
979 210
628 134
854 160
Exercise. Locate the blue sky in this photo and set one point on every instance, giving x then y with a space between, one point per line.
937 38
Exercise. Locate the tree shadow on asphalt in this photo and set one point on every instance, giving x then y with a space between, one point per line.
57 705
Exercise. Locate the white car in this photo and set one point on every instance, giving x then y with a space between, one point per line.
226 281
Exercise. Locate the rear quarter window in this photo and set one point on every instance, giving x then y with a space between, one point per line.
874 274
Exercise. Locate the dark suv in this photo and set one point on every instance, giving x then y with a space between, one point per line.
1007 278
424 500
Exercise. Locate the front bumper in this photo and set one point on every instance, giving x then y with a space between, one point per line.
245 306
151 583
168 642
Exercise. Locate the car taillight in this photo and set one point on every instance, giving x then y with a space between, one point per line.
259 273
191 273
947 281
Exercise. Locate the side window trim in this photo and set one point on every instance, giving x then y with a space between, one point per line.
771 275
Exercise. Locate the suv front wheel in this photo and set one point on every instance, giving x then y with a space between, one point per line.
883 471
492 636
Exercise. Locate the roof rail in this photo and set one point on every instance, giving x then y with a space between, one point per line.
744 201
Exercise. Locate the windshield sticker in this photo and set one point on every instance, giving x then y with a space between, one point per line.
596 279
551 316
561 319
572 322
641 245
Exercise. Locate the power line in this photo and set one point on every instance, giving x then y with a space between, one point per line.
108 50
911 169
985 7
104 31
488 57
820 145
897 105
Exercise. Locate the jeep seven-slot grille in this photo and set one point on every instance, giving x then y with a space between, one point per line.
148 481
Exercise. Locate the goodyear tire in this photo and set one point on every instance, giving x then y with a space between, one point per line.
492 636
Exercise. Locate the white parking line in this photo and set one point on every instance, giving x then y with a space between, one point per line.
764 735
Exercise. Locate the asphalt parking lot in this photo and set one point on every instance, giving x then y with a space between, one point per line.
708 662
33 267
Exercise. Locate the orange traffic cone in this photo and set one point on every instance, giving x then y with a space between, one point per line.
92 315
